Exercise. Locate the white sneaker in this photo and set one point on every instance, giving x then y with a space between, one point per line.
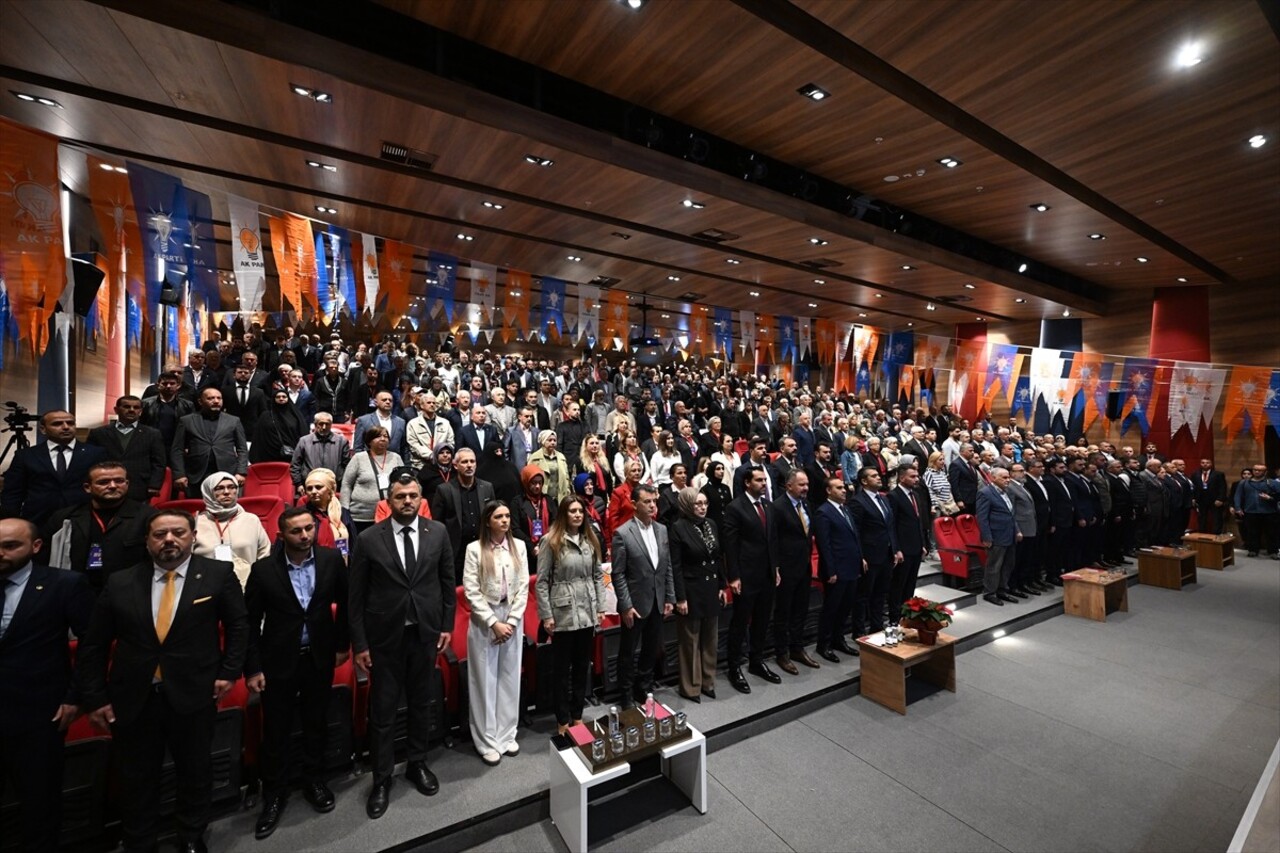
490 757
512 748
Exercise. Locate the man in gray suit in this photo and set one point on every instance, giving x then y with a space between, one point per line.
206 442
646 593
1024 515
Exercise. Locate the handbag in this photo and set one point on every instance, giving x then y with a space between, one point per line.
949 508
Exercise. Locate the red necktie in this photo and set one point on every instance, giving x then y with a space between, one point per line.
914 505
760 512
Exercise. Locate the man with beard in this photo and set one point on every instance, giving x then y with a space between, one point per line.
103 536
206 442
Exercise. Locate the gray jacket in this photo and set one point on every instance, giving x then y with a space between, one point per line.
1024 508
637 581
570 585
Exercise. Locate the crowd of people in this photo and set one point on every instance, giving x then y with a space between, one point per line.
676 490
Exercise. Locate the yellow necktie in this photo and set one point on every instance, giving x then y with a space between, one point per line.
804 522
164 618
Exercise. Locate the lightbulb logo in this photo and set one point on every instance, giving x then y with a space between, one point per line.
250 242
161 225
37 204
371 264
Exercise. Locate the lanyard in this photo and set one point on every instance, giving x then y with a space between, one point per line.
101 525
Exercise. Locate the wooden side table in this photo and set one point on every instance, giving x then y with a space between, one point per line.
884 669
1171 568
1092 594
1212 551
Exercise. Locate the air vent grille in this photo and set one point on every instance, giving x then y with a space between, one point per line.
407 156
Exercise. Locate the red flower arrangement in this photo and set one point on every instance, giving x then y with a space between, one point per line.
930 613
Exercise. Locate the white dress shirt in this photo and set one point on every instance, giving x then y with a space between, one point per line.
650 538
54 450
157 588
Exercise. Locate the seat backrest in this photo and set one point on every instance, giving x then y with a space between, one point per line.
969 531
191 505
268 509
269 478
944 530
166 488
461 619
531 621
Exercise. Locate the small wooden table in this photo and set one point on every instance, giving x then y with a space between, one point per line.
884 669
1212 551
1092 594
1171 568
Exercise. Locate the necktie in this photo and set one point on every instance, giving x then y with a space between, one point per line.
62 460
844 510
4 600
804 522
760 512
914 505
244 395
164 616
410 557
884 510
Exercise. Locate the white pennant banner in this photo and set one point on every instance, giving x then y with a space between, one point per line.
484 283
369 252
246 252
1047 381
747 323
1194 392
588 312
805 335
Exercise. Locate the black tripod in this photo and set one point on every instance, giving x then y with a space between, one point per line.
17 441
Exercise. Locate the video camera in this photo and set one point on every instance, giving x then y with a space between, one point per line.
19 418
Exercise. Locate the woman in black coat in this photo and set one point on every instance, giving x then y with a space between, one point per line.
277 431
697 562
717 492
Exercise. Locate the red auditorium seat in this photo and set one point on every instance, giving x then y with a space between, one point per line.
166 488
269 478
268 509
191 505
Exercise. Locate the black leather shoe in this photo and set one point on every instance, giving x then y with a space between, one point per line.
762 670
379 798
319 796
709 692
1004 596
197 846
422 778
738 680
1055 582
1017 593
843 646
827 654
697 700
272 808
993 599
1030 590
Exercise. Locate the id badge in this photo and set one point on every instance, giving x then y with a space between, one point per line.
341 545
95 558
223 553
537 528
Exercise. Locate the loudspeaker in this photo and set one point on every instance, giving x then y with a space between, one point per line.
87 278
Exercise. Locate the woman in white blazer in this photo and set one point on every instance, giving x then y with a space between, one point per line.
496 582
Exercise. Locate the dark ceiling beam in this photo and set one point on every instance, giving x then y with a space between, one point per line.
252 31
833 44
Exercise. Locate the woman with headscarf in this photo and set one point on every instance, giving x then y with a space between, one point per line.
533 513
495 468
334 526
717 492
555 469
225 530
276 433
697 563
584 486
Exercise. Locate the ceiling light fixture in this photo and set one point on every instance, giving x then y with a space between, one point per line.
911 324
313 94
1019 300
466 237
755 293
907 267
673 278
819 281
1257 141
862 314
818 241
633 4
696 205
40 99
1022 267
1182 278
1066 312
950 162
980 320
930 307
1040 207
879 296
813 305
538 161
732 261
574 258
619 234
1141 259
1096 236
968 285
814 92
492 205
1188 55
320 208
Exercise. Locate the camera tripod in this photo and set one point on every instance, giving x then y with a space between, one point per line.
17 441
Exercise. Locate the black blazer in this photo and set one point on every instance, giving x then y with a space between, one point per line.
1084 498
1062 513
1215 491
1044 516
35 667
878 535
192 448
750 550
446 508
691 563
276 617
191 658
467 437
253 409
384 594
32 487
908 527
964 484
124 542
740 478
795 546
145 457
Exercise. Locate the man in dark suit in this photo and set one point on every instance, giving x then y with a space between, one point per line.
879 536
141 449
1210 497
382 416
206 442
38 606
402 602
795 558
296 638
758 460
822 469
761 425
103 536
166 407
910 517
1035 553
458 502
300 395
1188 490
477 433
171 633
195 376
643 579
1088 516
805 440
963 475
1062 521
242 399
840 564
752 566
50 474
1120 516
1000 536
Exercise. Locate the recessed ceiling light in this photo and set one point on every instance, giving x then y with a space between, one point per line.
320 208
666 316
879 296
574 258
1182 278
1257 141
1066 312
1040 207
861 314
23 96
313 94
1188 55
1096 236
979 319
316 164
968 285
49 102
732 261
696 205
818 241
813 92
300 90
950 162
633 4
538 161
1019 300
492 205
813 305
1141 259
755 293
466 237
324 97
1022 267
819 281
911 324
673 278
907 267
931 307
36 99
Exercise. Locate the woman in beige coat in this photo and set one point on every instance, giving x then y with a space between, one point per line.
227 531
555 468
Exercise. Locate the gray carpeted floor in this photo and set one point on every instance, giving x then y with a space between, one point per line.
1147 732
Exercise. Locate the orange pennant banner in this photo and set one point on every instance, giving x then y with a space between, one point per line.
394 268
515 303
1246 395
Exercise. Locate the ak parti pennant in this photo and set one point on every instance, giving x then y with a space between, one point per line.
117 219
699 337
293 248
1246 401
32 258
515 304
395 266
766 339
969 368
1090 376
615 323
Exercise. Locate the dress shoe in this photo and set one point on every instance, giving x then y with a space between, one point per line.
1055 582
993 599
827 654
272 808
1029 590
843 646
697 700
1004 596
785 664
762 670
379 797
512 749
738 680
319 796
709 692
1017 593
197 846
803 657
422 778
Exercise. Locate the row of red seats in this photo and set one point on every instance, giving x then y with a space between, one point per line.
960 549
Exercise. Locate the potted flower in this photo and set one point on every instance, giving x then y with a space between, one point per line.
926 617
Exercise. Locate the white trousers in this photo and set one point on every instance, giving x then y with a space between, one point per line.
493 679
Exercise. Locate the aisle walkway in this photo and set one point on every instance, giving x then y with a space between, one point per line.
1147 732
